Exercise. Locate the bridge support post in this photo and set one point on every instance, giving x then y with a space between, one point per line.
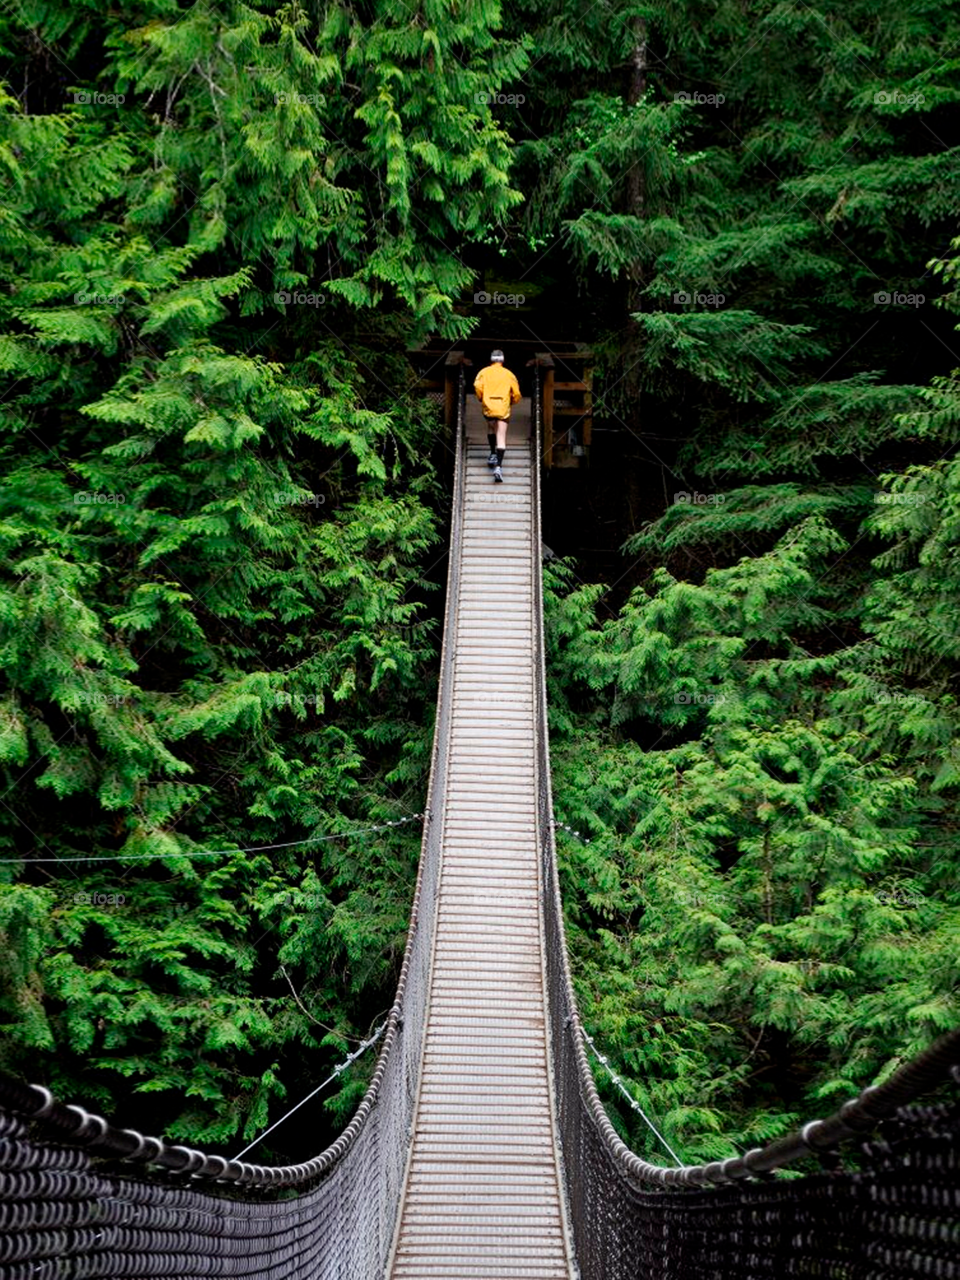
544 361
451 383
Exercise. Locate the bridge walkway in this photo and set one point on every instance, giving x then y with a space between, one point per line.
482 1195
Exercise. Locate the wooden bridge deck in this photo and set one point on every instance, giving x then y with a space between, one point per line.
483 1196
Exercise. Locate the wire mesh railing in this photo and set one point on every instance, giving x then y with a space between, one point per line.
82 1198
896 1214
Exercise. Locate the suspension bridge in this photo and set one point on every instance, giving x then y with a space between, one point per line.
481 1150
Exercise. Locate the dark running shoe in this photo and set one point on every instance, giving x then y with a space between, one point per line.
492 460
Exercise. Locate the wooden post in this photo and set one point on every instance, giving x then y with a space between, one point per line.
451 381
545 362
451 384
587 428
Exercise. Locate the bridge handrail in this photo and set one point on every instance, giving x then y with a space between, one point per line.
74 1124
854 1118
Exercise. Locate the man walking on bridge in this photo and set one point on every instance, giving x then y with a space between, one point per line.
498 391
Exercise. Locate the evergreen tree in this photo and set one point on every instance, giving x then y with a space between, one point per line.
222 225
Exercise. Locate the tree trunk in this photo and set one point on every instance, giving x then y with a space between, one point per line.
634 202
635 91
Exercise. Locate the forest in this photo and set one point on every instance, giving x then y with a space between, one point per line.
224 504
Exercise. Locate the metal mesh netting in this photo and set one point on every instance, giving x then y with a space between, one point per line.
897 1215
60 1217
67 1214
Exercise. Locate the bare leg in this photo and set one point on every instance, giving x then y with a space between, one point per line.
501 433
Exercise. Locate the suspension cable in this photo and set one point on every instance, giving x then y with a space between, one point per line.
256 848
219 853
329 1080
566 827
629 1096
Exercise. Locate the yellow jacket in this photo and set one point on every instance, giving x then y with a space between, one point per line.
497 390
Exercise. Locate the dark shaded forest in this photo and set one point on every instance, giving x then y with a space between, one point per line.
224 503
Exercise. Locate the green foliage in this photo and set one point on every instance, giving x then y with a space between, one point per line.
216 591
735 185
761 921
